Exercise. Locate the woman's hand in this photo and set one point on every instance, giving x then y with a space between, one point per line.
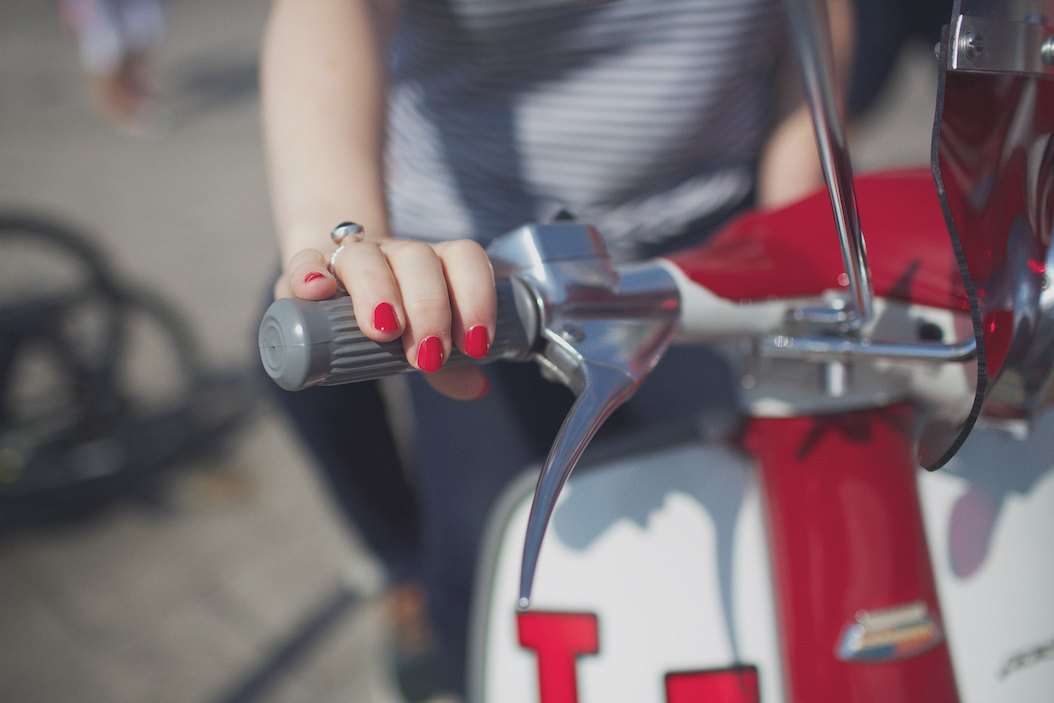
433 296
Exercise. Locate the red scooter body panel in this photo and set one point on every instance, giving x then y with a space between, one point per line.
846 535
793 252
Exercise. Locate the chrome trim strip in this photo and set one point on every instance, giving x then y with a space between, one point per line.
833 348
987 45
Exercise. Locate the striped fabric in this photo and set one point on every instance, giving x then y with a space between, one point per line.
638 116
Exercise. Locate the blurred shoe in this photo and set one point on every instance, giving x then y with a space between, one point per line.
126 96
418 665
118 101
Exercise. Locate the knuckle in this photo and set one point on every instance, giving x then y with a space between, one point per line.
432 309
372 280
407 249
350 255
460 249
358 249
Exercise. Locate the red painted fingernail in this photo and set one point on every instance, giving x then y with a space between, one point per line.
477 342
430 354
384 319
313 276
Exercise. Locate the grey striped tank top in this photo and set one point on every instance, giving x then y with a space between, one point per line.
638 116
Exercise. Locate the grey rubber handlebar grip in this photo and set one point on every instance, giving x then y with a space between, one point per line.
318 343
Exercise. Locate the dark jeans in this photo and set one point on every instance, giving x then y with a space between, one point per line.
346 432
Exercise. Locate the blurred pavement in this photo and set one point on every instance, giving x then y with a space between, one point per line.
142 604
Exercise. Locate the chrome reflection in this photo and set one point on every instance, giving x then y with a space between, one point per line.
993 163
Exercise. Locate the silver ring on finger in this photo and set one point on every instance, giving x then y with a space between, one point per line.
347 231
342 234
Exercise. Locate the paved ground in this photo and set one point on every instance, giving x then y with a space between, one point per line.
173 604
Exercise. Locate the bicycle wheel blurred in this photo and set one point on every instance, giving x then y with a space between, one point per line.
102 387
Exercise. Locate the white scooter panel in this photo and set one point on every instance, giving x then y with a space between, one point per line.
662 557
990 524
653 586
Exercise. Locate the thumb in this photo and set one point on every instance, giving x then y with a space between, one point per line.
460 383
308 277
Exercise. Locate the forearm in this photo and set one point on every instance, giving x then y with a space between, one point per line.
790 165
323 103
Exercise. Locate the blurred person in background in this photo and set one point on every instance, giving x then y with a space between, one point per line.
117 40
438 126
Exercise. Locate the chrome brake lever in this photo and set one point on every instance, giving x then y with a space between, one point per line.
602 328
604 391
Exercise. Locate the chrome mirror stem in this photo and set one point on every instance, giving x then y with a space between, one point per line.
810 33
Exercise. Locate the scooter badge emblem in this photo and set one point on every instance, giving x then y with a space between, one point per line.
892 633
